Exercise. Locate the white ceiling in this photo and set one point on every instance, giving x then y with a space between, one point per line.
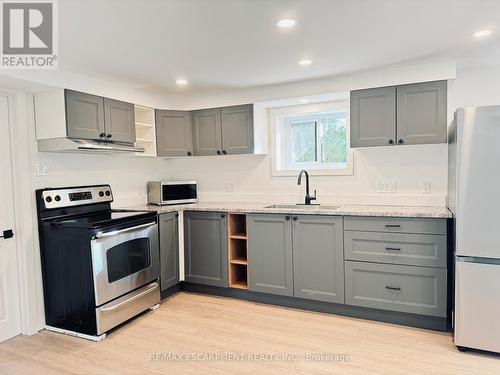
225 44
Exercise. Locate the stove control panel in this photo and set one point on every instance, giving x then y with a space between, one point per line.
77 196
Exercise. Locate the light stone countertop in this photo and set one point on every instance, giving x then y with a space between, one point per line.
337 210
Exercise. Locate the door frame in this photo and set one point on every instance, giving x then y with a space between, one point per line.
26 232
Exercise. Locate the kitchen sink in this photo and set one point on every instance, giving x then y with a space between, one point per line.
303 207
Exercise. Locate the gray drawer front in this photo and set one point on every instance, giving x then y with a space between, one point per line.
408 289
396 248
395 225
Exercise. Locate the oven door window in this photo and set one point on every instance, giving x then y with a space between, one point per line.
128 258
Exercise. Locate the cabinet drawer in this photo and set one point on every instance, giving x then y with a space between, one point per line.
396 248
396 225
408 289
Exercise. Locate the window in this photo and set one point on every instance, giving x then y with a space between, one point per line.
316 140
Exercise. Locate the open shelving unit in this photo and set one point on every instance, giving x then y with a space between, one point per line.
237 251
145 130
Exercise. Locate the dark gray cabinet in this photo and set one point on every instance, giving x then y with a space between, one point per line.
205 248
119 121
207 132
421 113
373 117
318 260
237 129
399 115
223 131
84 115
270 268
174 136
94 117
169 249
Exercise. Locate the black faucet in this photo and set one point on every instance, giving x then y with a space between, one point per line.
308 198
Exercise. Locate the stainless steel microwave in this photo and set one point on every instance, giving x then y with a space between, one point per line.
171 192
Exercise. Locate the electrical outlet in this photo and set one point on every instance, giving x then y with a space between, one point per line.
386 186
229 188
42 169
426 187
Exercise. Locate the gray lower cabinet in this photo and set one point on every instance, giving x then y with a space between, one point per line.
169 249
270 267
119 121
417 290
237 129
84 115
174 136
396 248
318 261
205 248
421 113
373 117
207 132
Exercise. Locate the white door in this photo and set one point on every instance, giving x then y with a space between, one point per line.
10 318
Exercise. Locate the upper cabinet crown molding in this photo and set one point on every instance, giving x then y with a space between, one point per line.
397 115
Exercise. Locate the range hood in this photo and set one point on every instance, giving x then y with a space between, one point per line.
86 145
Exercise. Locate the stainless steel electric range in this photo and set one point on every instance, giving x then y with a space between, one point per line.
100 266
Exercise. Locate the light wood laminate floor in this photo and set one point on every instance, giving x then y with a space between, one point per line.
187 329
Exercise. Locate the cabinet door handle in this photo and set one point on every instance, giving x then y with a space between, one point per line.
400 141
391 141
224 152
397 288
389 226
393 249
102 135
218 152
295 218
223 215
108 136
189 153
287 217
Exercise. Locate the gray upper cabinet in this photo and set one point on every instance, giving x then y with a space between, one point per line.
207 132
94 117
237 129
373 117
119 121
270 267
84 115
173 133
421 113
205 248
318 261
399 115
169 249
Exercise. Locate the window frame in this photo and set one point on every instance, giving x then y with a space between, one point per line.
279 139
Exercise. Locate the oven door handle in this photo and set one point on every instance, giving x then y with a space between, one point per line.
131 299
115 232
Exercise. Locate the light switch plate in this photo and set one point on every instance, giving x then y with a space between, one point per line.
386 186
42 169
426 187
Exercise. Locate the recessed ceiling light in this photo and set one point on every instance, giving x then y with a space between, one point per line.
286 23
304 100
479 34
181 82
305 62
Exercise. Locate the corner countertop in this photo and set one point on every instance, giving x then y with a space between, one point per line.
327 209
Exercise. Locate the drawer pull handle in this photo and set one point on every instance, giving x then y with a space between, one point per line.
392 288
393 226
392 249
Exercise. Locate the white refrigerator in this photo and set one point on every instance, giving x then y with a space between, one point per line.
474 200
